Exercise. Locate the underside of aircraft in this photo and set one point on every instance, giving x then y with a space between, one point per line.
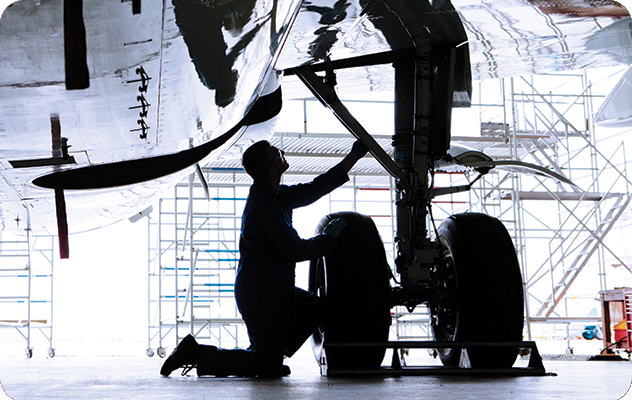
105 104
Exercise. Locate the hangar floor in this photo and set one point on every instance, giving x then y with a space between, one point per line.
138 378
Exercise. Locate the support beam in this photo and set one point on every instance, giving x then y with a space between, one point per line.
329 99
58 150
62 220
200 175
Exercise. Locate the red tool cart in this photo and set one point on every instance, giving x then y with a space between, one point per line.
616 311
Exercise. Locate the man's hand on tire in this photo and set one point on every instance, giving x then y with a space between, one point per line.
335 227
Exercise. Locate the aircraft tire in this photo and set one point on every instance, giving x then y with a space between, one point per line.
354 279
481 287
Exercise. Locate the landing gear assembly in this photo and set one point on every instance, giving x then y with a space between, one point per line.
467 275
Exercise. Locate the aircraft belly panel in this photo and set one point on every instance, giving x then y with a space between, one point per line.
519 37
506 37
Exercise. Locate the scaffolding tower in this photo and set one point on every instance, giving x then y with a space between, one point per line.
26 287
193 261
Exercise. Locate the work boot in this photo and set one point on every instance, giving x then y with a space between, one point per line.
185 355
285 371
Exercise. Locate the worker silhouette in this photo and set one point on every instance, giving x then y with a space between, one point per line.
278 315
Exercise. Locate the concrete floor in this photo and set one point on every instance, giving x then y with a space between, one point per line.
138 378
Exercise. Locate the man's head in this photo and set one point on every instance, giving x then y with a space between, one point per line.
262 160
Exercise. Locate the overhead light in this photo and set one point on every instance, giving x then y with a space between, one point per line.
141 214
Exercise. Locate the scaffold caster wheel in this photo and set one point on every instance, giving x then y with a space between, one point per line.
29 353
161 352
150 352
51 352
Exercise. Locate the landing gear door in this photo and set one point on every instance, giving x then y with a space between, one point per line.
452 87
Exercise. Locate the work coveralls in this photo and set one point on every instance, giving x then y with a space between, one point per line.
278 315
